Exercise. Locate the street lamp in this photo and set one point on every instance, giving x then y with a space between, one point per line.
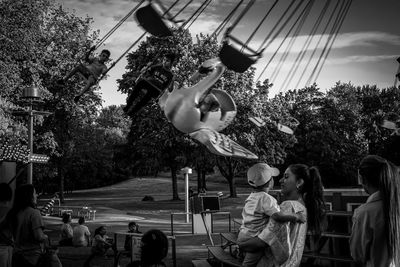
30 98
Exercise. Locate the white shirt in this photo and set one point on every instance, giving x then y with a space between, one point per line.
368 243
81 235
258 207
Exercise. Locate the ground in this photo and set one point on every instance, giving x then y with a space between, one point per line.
118 204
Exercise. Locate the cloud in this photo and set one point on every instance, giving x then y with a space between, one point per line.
359 59
366 39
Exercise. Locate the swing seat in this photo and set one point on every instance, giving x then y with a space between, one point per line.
148 85
227 106
235 60
182 105
150 20
284 129
220 144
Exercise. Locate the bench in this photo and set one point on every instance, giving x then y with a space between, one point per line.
225 258
230 237
200 263
316 248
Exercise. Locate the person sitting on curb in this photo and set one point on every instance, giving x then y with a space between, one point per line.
133 228
81 234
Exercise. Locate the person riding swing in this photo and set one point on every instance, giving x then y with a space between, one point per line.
92 71
156 79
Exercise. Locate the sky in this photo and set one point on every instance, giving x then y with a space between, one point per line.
364 52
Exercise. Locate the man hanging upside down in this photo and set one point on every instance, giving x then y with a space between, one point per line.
152 81
91 71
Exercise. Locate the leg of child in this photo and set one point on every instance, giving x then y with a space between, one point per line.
149 94
81 68
142 102
89 83
250 258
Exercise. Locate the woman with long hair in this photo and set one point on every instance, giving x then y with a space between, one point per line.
101 244
27 227
302 191
66 231
375 237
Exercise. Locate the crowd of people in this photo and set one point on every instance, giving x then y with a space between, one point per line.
270 235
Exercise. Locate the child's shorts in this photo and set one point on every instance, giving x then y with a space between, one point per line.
85 72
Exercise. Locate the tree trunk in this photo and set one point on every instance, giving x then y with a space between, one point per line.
175 195
61 177
199 181
232 187
203 179
229 173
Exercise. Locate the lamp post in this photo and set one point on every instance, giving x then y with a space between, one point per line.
186 172
397 77
30 97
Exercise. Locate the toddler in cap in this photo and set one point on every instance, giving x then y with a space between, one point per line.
260 207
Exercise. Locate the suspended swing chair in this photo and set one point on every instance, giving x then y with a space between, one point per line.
241 57
107 35
282 127
154 23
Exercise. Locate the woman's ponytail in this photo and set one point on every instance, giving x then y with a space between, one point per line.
390 187
314 198
384 175
313 194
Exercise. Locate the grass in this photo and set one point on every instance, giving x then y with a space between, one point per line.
125 198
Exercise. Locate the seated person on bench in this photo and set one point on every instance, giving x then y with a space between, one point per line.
156 79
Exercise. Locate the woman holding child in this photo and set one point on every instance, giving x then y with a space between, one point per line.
284 242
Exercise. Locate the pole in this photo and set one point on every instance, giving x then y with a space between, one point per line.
30 142
186 172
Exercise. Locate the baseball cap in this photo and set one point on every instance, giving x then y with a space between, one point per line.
260 174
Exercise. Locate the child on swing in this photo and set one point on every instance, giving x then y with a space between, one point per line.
159 76
91 71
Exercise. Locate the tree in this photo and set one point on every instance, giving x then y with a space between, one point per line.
39 43
152 140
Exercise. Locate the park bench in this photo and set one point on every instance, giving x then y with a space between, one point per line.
75 211
200 263
335 240
220 255
322 249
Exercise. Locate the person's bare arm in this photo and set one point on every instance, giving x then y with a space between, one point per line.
288 217
39 235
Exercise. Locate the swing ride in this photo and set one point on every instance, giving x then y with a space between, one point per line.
181 109
181 105
281 127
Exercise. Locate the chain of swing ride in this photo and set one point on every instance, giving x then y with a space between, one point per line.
278 27
166 14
